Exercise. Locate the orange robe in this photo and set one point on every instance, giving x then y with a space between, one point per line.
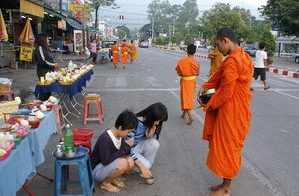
228 115
133 52
216 59
124 53
187 68
115 53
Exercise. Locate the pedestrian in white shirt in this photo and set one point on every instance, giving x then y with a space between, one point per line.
260 65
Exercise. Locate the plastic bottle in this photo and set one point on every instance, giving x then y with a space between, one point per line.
68 140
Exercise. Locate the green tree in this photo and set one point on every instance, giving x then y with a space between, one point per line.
222 15
100 3
123 32
283 14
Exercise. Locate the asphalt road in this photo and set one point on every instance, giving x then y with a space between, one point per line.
271 154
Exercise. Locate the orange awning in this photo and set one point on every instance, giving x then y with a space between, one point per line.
27 34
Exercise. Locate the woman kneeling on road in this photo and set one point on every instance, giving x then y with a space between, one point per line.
146 137
110 157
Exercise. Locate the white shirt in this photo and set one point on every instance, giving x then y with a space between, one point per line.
116 141
260 57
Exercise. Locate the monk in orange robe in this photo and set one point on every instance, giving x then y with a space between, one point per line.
228 113
132 51
188 68
115 54
216 59
124 53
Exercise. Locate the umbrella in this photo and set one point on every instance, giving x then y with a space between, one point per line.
27 34
3 32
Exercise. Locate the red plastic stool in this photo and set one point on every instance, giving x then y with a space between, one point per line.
87 101
83 137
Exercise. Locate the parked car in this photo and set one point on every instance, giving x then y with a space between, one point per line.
250 51
297 58
144 44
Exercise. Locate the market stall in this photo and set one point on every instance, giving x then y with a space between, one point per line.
67 83
23 138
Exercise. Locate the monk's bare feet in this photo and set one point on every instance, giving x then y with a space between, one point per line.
220 192
216 187
189 122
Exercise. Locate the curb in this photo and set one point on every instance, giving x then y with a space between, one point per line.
272 69
284 72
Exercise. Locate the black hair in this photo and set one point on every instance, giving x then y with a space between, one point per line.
228 33
154 112
42 40
262 45
126 120
132 41
114 42
191 49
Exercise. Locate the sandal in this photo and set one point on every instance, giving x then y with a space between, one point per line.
109 187
149 180
118 182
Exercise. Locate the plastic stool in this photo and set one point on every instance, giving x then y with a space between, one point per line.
99 115
85 173
83 136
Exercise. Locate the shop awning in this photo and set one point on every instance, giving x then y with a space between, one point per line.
31 8
75 24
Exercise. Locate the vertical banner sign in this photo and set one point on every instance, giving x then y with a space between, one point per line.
26 53
78 40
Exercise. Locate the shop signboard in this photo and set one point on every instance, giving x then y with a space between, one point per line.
26 53
78 40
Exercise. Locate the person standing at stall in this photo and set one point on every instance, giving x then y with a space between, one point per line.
44 62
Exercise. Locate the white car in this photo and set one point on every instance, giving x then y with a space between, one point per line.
297 58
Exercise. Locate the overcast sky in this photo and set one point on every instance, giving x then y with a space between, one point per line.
136 15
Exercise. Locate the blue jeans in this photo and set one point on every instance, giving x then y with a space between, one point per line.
146 150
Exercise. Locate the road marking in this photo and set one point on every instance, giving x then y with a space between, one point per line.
284 131
262 178
286 94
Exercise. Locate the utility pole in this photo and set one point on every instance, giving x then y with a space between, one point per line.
153 23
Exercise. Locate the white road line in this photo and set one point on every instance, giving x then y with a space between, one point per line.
286 94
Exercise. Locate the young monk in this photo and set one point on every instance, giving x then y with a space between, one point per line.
110 156
115 54
216 59
228 113
133 51
124 53
188 68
